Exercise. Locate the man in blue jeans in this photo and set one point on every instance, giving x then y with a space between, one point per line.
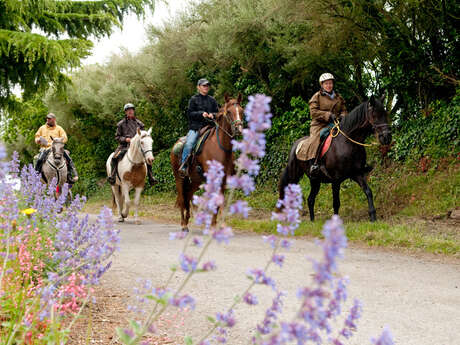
200 108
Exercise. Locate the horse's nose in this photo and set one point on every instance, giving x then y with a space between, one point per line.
385 138
239 128
149 160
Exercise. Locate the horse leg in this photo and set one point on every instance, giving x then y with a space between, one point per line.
126 201
314 190
118 201
361 180
336 197
137 197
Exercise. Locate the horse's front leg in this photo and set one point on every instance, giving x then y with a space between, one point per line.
315 184
125 195
137 197
361 180
116 192
336 197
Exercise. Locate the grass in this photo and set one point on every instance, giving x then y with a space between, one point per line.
412 208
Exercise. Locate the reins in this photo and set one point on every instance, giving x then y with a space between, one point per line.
232 124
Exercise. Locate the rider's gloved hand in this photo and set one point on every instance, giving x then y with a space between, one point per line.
333 118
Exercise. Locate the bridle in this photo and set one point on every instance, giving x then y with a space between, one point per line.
233 125
144 153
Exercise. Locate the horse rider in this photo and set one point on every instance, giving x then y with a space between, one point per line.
326 107
126 130
201 107
44 136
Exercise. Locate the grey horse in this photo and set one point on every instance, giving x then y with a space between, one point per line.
55 165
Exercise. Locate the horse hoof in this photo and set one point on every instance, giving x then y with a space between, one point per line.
121 220
185 229
137 222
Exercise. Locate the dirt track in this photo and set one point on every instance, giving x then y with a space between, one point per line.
418 298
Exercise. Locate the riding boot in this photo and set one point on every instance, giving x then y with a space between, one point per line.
113 168
152 180
183 169
315 168
72 175
41 159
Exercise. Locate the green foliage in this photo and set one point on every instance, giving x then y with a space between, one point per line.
163 173
435 134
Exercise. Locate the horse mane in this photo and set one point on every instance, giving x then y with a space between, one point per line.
355 118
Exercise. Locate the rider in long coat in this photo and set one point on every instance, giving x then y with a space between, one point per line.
326 106
126 130
43 137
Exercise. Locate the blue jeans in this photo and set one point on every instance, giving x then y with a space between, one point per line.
192 137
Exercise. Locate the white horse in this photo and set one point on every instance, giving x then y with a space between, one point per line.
132 171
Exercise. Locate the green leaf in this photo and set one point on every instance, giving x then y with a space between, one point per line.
211 319
188 340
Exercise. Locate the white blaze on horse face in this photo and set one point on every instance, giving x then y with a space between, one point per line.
146 143
238 119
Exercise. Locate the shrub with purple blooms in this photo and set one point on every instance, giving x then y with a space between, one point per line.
320 304
50 257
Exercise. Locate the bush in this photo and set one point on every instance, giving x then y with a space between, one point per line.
437 134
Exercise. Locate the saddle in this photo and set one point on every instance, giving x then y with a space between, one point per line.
203 135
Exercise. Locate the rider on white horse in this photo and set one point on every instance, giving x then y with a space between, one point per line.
43 137
126 130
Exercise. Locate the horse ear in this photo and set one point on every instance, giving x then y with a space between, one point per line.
226 97
372 101
240 97
138 131
149 131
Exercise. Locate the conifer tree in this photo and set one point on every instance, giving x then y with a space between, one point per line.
41 39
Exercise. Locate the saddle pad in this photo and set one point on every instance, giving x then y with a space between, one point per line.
326 145
179 145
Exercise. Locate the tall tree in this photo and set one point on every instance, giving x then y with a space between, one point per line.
40 39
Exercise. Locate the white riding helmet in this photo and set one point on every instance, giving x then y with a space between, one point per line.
128 106
324 77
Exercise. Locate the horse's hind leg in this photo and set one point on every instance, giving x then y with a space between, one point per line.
137 197
361 180
336 197
314 190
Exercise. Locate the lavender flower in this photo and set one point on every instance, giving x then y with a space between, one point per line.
250 299
209 266
187 263
385 338
183 302
260 277
240 207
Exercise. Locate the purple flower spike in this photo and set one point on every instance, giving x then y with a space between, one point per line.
183 302
385 338
223 234
250 299
227 320
187 263
209 266
278 259
240 207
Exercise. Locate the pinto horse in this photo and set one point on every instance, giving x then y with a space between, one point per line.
228 123
132 171
346 157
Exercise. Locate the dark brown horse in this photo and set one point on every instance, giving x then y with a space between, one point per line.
228 123
346 157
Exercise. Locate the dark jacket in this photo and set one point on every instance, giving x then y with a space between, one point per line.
197 105
127 129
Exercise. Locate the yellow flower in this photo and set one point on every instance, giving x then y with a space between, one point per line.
28 211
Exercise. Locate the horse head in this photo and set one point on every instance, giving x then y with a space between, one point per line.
378 118
57 148
144 138
233 112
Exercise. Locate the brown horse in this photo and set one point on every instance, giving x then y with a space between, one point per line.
228 123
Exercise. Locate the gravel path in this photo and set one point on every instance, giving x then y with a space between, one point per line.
418 298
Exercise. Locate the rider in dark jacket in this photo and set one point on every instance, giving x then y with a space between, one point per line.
200 108
127 129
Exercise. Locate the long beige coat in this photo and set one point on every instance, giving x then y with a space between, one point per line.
321 106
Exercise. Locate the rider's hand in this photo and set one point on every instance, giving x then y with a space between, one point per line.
333 118
42 141
128 140
206 115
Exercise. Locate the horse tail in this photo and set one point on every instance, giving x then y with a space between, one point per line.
293 172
